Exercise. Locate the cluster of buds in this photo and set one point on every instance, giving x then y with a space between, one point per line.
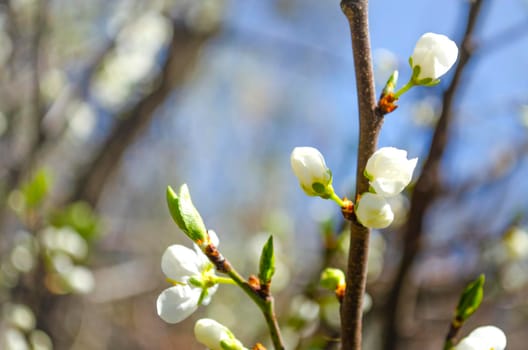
388 170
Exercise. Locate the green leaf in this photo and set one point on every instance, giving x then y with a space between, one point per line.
185 214
267 262
36 189
172 202
470 299
79 216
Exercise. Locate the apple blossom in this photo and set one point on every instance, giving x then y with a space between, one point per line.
435 54
372 210
483 338
309 167
389 171
216 336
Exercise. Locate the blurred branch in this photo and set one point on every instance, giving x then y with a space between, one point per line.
182 54
506 37
19 165
428 184
56 118
36 101
499 171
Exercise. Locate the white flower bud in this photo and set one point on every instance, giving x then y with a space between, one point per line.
483 338
389 171
435 54
310 169
373 211
212 334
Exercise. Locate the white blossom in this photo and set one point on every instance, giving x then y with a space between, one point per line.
13 339
389 171
80 279
516 243
20 316
190 271
483 338
212 334
372 210
435 54
309 167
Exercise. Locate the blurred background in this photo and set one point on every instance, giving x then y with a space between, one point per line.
105 103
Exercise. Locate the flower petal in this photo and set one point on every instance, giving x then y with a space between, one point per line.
177 303
179 263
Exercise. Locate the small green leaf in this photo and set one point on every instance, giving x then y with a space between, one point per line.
267 262
470 299
172 202
391 84
185 214
79 216
36 189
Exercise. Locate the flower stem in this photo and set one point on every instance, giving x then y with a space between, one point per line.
454 327
404 89
261 297
265 304
223 280
336 199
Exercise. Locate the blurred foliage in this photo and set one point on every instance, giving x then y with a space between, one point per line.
80 217
35 190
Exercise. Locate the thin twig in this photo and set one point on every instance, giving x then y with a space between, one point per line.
370 121
428 184
262 298
182 53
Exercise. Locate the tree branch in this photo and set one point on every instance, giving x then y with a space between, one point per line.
370 121
183 49
428 184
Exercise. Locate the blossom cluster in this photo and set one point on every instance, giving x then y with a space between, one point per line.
193 278
389 172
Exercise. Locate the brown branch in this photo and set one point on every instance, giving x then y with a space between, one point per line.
183 50
428 184
370 121
500 170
